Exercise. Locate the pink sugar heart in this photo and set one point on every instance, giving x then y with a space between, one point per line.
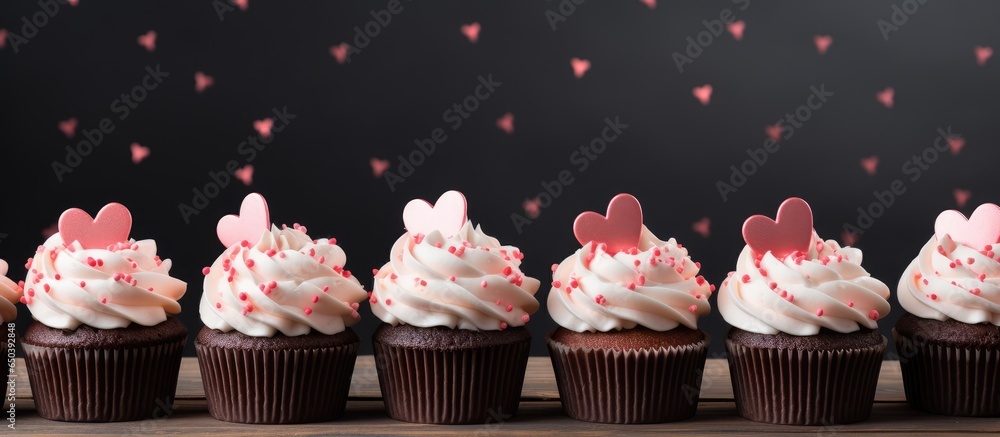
245 174
506 123
773 131
339 52
791 231
956 144
447 215
379 166
983 54
703 94
580 67
979 230
139 152
111 225
619 230
886 97
471 31
870 164
148 40
249 225
736 29
649 3
962 197
263 127
848 238
202 81
702 227
822 43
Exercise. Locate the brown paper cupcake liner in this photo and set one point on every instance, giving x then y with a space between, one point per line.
102 385
629 386
277 386
804 387
454 386
951 380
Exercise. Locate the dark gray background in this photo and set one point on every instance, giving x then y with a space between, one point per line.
396 90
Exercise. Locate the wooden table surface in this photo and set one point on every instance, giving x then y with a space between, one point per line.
540 412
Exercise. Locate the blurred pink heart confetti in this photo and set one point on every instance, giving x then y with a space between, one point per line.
263 127
848 238
339 52
245 174
962 197
447 215
471 31
703 94
252 222
822 43
242 4
139 152
886 97
532 207
148 40
73 2
202 81
3 38
68 127
956 144
773 131
50 231
580 67
980 229
379 166
983 54
870 164
702 227
736 28
649 3
506 123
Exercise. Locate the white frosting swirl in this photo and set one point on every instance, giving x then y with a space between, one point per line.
467 281
952 281
102 288
798 295
10 294
285 283
655 285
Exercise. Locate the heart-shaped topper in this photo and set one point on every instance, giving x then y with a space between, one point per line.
620 230
982 228
252 222
447 215
111 225
791 231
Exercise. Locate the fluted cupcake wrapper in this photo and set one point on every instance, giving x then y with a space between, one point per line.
804 387
277 386
629 386
103 385
949 380
471 385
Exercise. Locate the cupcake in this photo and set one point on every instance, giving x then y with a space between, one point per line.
453 348
628 349
804 348
104 346
277 346
10 294
949 339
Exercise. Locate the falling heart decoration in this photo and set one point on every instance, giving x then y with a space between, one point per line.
532 207
982 228
202 81
139 152
68 127
339 52
962 197
245 174
506 123
773 131
703 227
447 215
263 127
791 231
252 222
619 230
73 2
580 67
649 3
379 166
3 38
471 31
50 231
111 225
983 54
242 4
848 238
886 97
736 28
148 40
870 164
822 43
703 94
956 144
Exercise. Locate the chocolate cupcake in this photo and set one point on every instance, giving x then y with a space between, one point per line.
949 340
277 306
804 348
628 349
453 348
104 347
10 294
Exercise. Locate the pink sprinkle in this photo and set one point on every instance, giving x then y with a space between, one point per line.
91 261
452 249
600 299
951 264
483 284
554 266
388 302
850 304
31 292
773 285
437 245
700 280
642 280
503 325
556 284
150 288
104 300
346 273
933 296
926 282
281 255
510 308
46 287
589 257
693 309
975 291
784 293
331 240
697 296
393 276
83 284
745 278
656 252
451 278
819 312
574 284
307 310
762 272
374 272
982 277
525 318
218 305
372 299
243 296
507 270
315 299
322 259
205 271
423 283
116 277
637 262
569 290
250 263
630 286
271 252
58 276
498 302
873 314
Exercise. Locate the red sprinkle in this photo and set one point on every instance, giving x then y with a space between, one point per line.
873 314
484 284
850 304
308 311
243 296
819 312
554 266
315 299
693 309
218 305
525 318
205 271
503 325
388 302
510 308
975 291
933 296
250 263
745 278
556 284
507 270
326 288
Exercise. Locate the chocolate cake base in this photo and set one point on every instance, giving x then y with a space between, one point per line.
104 375
630 376
824 379
450 376
949 367
277 379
